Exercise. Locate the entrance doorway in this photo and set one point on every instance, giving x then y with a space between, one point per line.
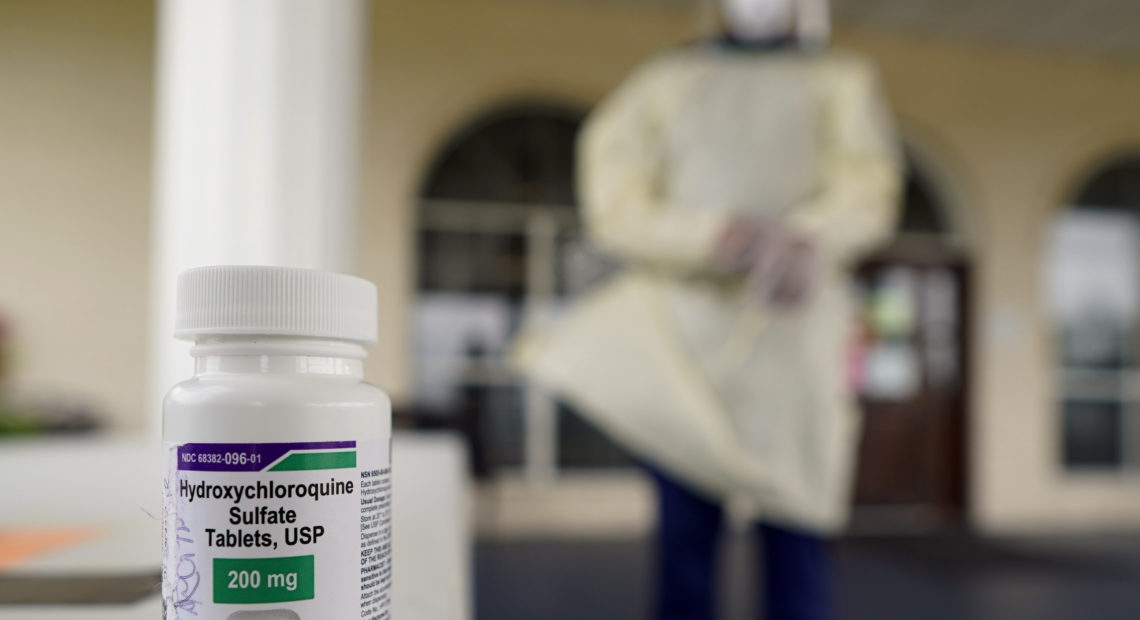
910 369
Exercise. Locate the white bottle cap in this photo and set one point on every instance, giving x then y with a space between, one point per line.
275 301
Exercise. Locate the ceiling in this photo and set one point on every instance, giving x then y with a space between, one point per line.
1087 26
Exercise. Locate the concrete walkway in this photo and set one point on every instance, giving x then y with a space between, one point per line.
950 578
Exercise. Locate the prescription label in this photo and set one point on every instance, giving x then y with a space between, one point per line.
279 531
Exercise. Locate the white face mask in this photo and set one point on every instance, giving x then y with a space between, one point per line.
757 20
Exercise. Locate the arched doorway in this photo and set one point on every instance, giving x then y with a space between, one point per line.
499 236
910 369
1093 274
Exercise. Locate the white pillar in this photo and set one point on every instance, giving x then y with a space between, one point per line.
257 128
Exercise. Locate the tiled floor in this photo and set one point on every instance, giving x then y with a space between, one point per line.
949 578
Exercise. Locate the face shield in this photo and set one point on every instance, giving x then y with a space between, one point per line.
807 21
758 20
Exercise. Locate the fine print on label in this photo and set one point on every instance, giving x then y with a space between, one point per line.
286 530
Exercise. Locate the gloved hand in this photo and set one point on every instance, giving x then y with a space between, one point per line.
780 263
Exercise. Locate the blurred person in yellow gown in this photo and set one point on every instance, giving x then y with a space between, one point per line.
738 178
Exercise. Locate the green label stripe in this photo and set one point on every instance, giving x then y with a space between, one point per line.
298 461
263 580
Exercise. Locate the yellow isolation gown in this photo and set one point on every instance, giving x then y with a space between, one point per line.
680 364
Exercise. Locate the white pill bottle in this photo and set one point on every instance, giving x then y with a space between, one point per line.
277 488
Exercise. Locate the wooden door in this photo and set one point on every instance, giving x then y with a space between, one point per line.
911 369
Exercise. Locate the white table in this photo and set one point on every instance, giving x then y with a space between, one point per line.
107 483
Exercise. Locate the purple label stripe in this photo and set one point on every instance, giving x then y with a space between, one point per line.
244 456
